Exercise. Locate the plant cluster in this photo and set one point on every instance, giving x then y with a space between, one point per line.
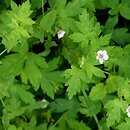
64 65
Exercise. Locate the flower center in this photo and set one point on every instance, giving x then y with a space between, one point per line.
101 56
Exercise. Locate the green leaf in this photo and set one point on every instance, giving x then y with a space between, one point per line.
16 24
124 125
32 71
41 127
37 3
104 40
98 92
89 107
14 6
124 10
47 87
24 95
114 108
110 24
75 5
62 105
124 89
11 66
124 66
111 3
20 91
4 88
51 3
114 5
23 32
111 84
88 29
45 24
31 125
23 10
12 110
75 125
88 25
53 64
51 79
121 36
66 14
89 4
12 127
92 70
75 77
77 37
100 4
60 4
38 60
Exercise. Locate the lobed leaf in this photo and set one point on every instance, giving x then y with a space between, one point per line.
98 92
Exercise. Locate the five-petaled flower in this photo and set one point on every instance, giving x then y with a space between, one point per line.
128 111
102 56
60 34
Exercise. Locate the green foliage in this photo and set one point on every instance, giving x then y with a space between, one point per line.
75 78
13 62
37 4
97 92
51 79
87 27
45 26
31 70
93 71
89 107
114 111
124 125
125 6
16 25
121 36
76 81
63 105
77 125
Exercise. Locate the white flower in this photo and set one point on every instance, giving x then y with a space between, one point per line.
128 111
60 34
102 56
44 101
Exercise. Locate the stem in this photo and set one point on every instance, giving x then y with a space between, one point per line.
97 122
2 102
42 8
95 117
106 72
85 95
57 122
2 52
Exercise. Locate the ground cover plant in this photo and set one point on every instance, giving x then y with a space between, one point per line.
64 65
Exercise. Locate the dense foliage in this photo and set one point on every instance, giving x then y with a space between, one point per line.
64 65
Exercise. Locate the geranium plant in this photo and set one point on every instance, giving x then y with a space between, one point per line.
64 65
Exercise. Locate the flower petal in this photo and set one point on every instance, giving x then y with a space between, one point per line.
60 34
97 57
128 109
101 61
128 114
105 57
100 52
